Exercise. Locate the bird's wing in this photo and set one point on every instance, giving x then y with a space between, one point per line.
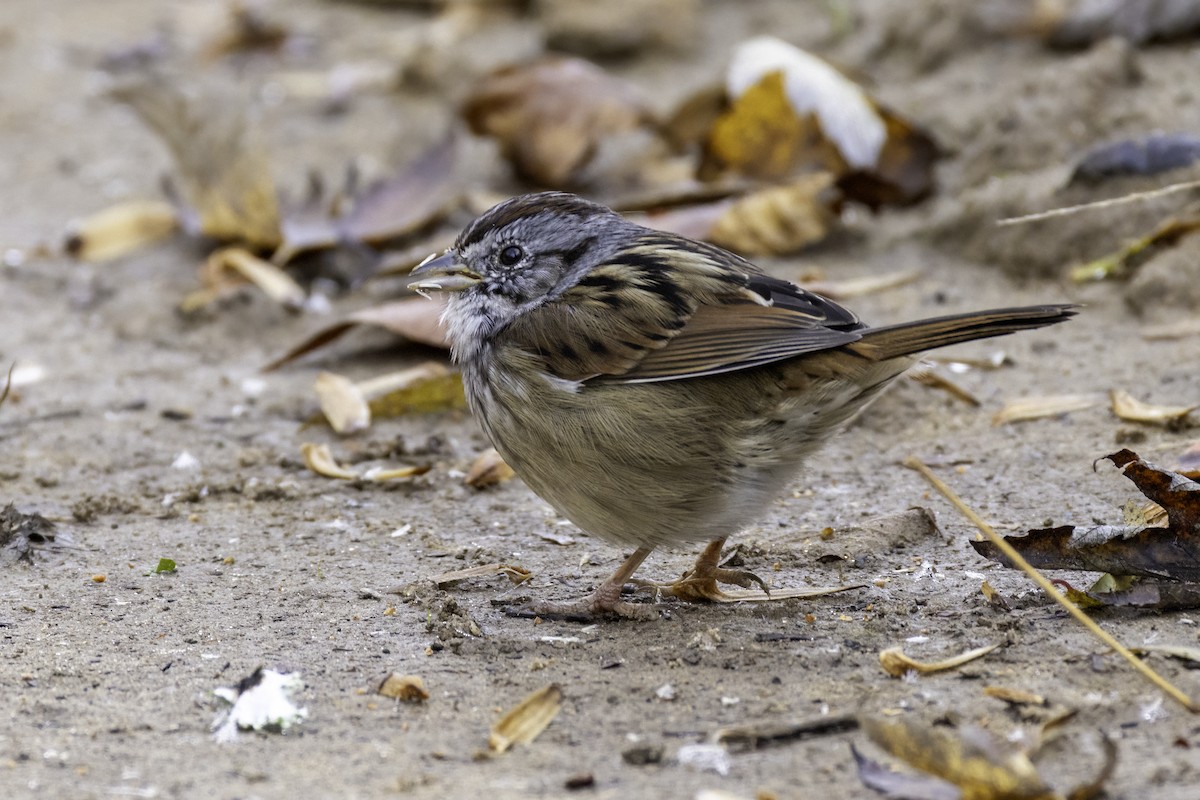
644 318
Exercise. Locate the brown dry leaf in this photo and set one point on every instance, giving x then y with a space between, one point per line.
342 403
778 220
1016 697
228 269
1130 409
967 764
994 597
1171 552
896 663
415 318
517 575
789 111
222 163
319 459
1188 654
1030 408
121 229
550 116
488 469
406 688
982 767
413 198
527 719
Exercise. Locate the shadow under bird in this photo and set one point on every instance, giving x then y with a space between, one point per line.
654 389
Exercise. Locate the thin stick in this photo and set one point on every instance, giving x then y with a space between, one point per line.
1016 558
7 384
1113 201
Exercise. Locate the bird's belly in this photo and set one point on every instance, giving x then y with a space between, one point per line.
645 465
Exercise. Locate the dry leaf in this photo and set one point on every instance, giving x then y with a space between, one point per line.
1171 552
379 474
416 318
550 116
994 597
221 161
1179 329
1030 408
319 459
789 111
517 575
488 469
427 389
1016 697
527 719
896 664
342 403
778 220
758 735
121 229
969 764
406 688
229 268
1124 261
413 198
1130 409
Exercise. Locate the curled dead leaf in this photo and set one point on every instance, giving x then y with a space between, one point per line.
121 229
488 469
229 268
426 389
319 459
406 688
550 116
1030 408
1130 409
525 721
896 663
1016 697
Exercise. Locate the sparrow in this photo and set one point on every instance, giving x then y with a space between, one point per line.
656 390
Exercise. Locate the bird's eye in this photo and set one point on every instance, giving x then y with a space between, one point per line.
511 255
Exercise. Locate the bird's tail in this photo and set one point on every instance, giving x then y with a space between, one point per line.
910 338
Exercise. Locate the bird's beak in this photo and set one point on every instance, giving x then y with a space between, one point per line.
443 274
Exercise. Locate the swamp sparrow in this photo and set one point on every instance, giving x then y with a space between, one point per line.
654 389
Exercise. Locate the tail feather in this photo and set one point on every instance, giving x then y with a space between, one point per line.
910 338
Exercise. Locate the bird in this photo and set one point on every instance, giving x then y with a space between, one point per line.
656 390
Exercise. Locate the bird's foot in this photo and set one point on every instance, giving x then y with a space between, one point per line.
604 603
702 583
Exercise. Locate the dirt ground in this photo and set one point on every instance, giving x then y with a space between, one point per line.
108 686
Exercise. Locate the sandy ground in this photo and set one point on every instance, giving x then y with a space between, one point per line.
107 686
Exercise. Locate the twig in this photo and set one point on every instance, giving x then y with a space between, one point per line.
1016 558
1112 201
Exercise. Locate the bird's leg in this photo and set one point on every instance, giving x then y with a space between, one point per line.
700 583
604 601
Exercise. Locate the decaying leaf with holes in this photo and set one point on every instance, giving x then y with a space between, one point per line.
1164 559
